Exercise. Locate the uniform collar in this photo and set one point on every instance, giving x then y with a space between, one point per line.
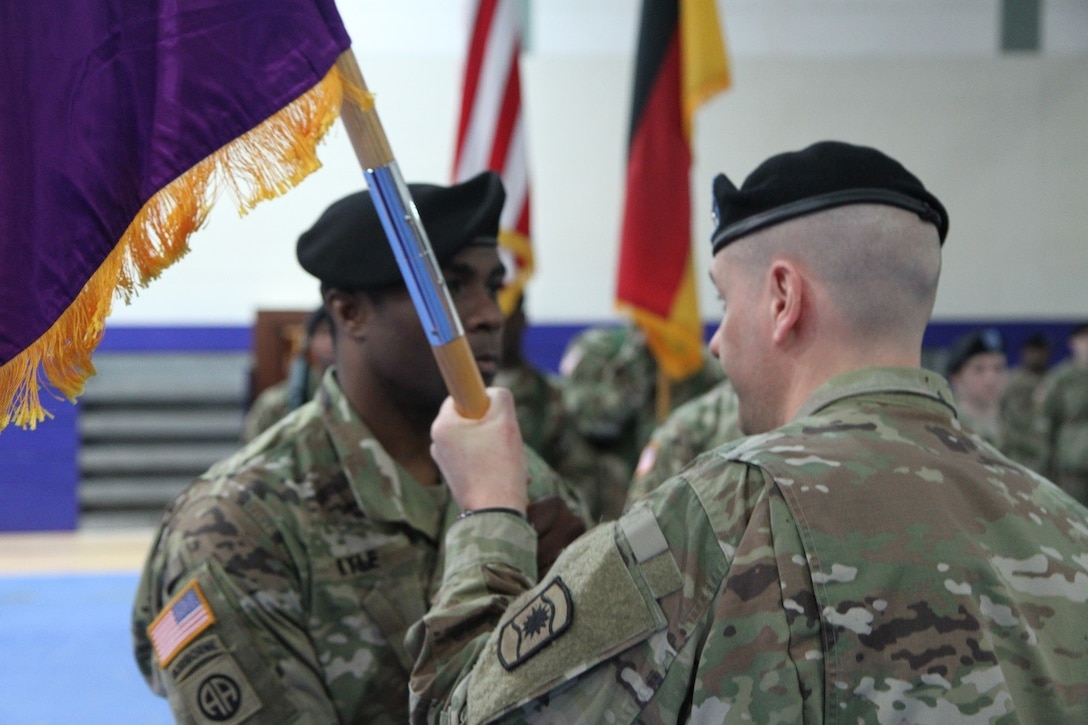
910 381
384 489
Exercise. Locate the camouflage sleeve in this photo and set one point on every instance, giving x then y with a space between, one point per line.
762 657
663 457
612 634
491 558
698 426
244 649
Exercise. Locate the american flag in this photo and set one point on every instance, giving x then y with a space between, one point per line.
186 616
491 132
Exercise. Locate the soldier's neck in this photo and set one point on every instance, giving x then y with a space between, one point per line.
405 434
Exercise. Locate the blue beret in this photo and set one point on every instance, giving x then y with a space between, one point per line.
822 176
347 246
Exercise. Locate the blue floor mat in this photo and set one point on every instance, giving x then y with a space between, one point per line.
65 653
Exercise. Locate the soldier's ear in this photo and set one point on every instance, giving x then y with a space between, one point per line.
788 290
351 311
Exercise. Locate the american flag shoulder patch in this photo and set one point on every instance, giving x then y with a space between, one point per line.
179 623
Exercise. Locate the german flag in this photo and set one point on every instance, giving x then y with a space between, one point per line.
680 64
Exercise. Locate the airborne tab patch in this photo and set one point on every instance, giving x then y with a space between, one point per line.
537 624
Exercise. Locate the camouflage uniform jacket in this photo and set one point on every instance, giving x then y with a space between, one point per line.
694 428
867 562
1023 441
1064 412
987 427
296 566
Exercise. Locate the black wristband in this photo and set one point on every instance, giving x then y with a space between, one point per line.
493 510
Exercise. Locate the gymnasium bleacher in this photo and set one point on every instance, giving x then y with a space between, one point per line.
149 424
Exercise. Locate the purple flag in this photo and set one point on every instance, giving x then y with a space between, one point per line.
110 107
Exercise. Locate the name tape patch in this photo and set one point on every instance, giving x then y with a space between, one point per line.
179 623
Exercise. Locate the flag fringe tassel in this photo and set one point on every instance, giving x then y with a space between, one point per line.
261 164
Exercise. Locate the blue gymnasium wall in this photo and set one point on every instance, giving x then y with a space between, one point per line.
39 475
39 469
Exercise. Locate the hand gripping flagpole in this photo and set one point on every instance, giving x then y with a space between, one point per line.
410 243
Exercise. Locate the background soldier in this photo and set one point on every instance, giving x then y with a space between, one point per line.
1064 417
1024 442
977 370
303 377
610 388
694 428
545 423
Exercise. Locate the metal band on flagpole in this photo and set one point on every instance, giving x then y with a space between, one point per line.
416 260
410 244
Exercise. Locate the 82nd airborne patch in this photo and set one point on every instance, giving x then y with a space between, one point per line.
537 624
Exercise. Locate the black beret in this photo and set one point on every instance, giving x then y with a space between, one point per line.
1038 340
974 343
822 176
347 246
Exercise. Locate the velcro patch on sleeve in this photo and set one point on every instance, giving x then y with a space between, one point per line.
537 624
612 615
179 623
643 533
219 693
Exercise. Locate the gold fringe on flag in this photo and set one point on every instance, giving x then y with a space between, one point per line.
263 163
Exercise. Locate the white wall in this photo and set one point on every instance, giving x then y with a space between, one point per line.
1000 139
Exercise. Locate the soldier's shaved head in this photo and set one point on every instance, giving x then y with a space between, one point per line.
819 295
878 265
